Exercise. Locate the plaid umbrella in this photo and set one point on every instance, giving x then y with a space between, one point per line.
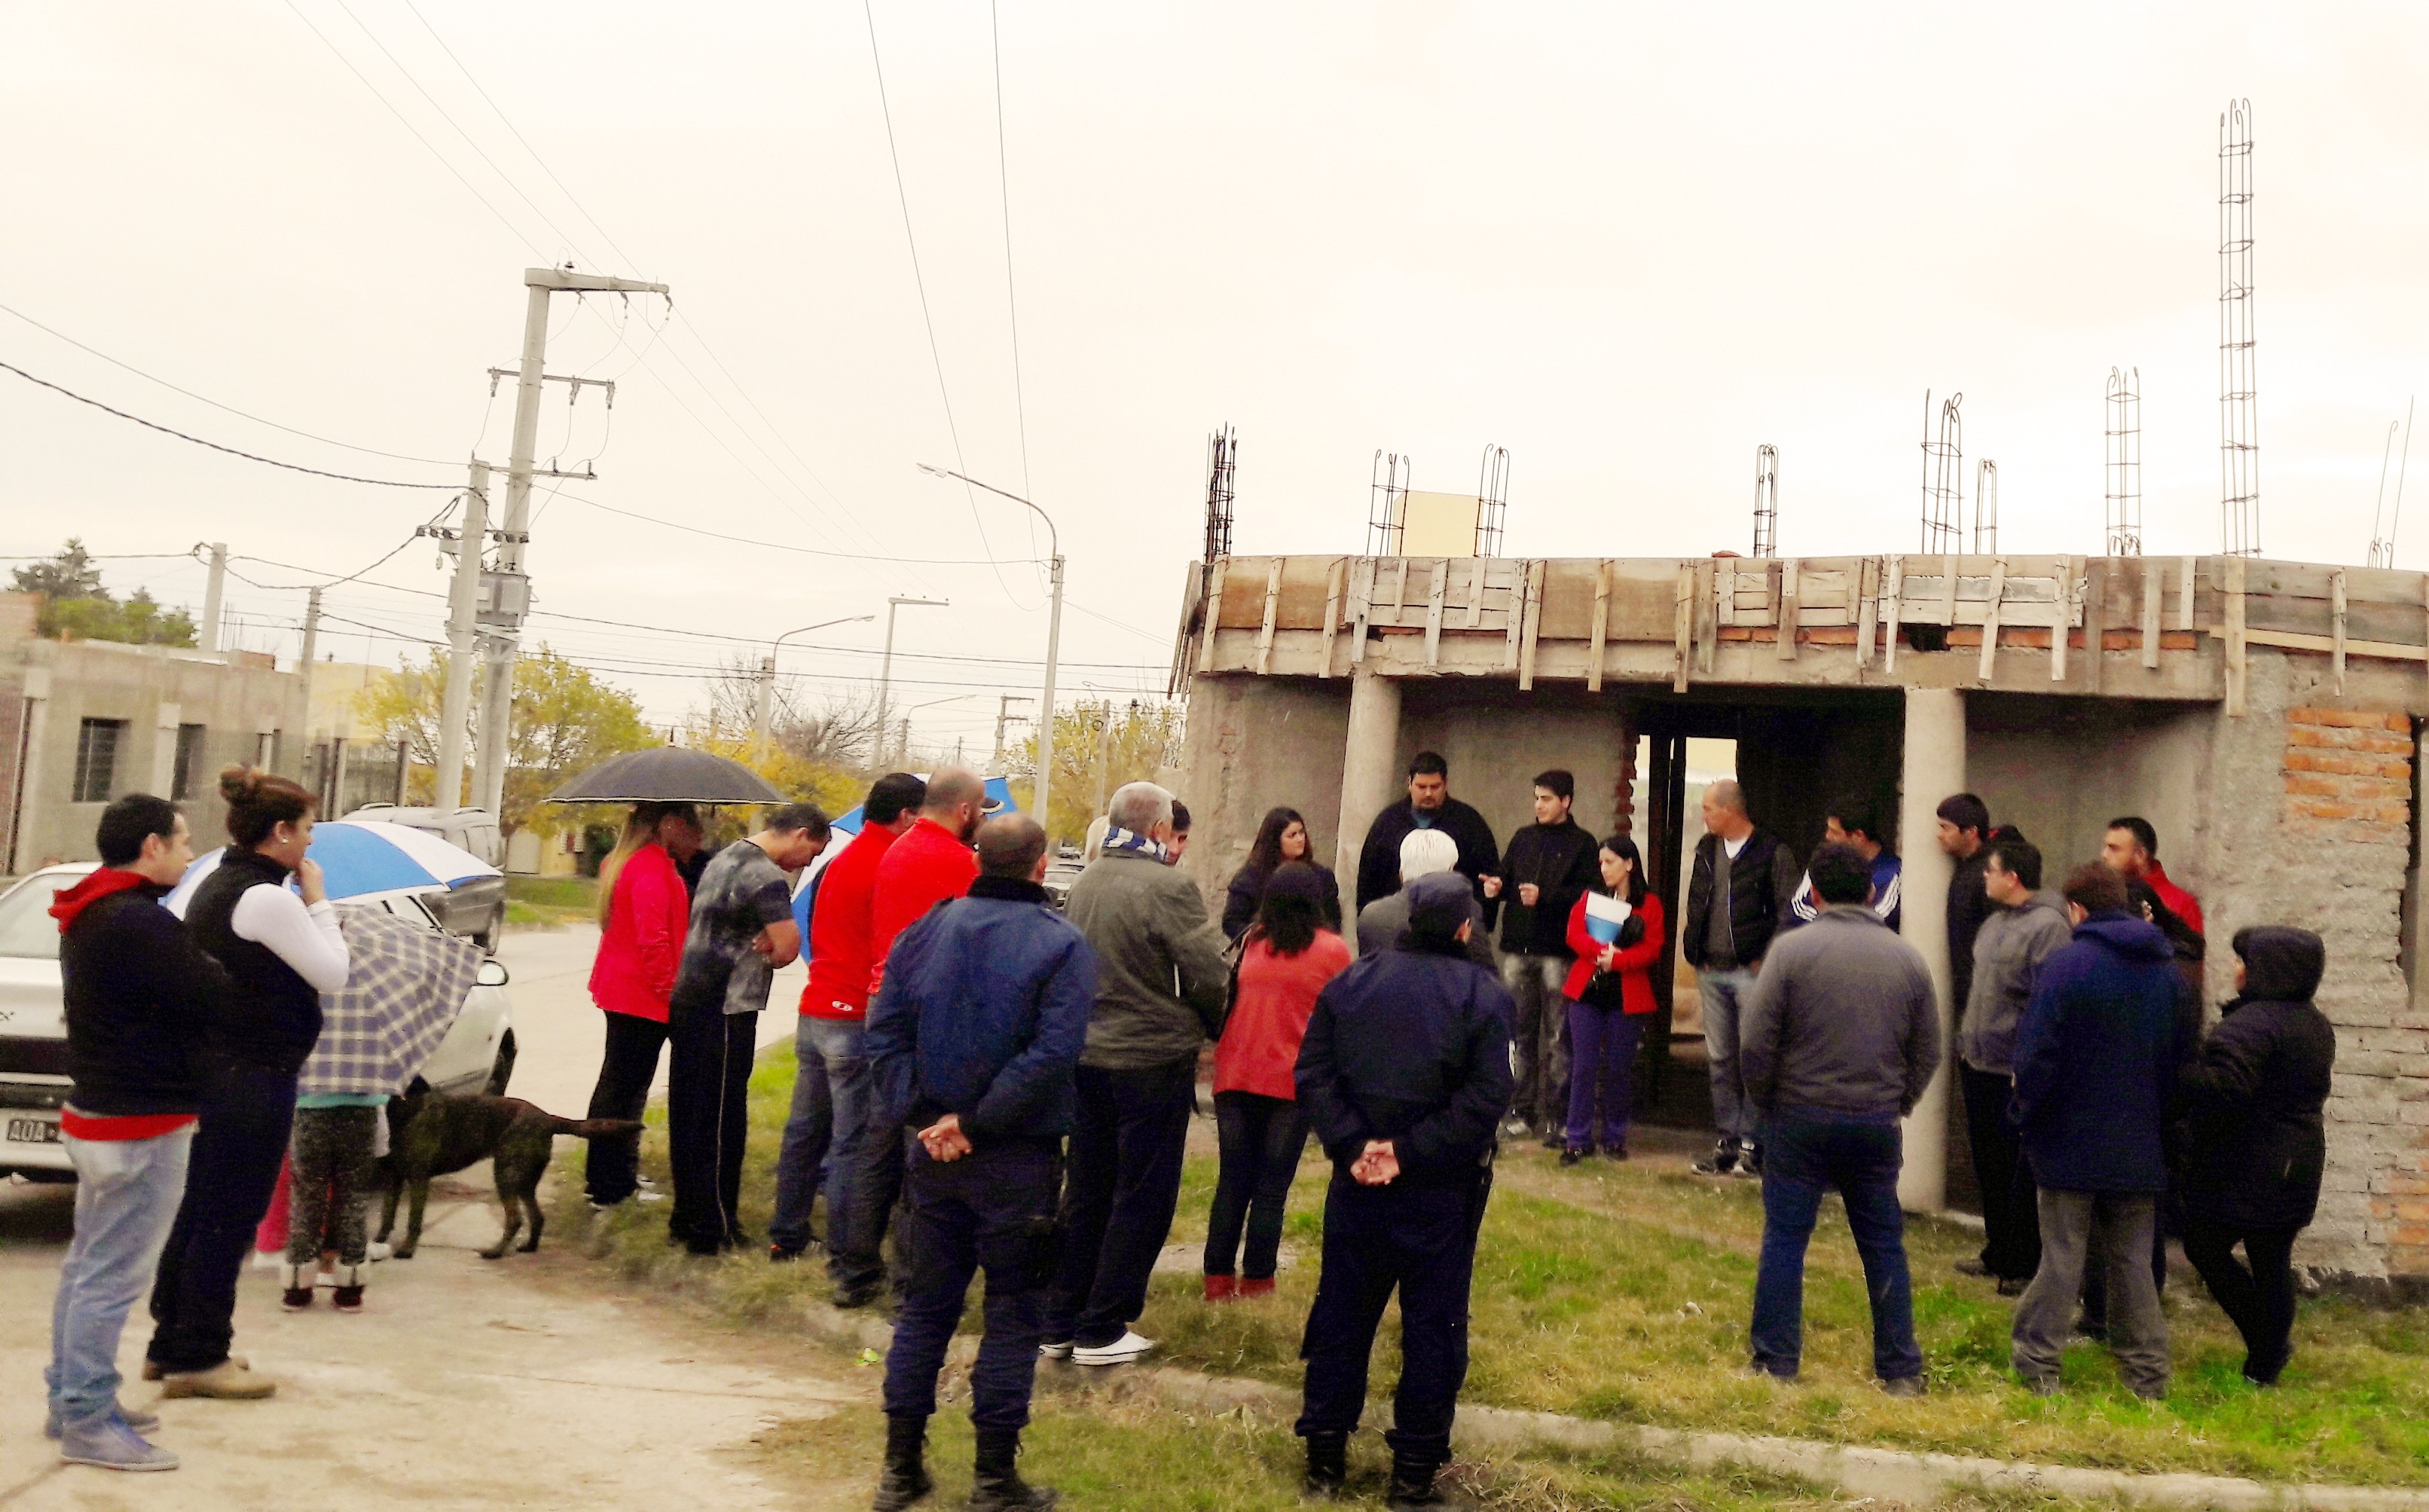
407 984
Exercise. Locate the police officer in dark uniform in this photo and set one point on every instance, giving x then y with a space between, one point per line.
972 1042
1404 1073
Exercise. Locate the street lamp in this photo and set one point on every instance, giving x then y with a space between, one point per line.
1038 790
885 667
765 717
903 744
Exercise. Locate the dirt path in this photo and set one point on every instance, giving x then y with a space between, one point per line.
465 1384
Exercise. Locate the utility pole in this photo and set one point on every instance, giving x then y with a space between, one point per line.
463 600
212 595
1004 716
1040 789
509 599
886 666
311 654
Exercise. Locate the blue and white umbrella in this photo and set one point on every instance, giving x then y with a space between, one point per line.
364 860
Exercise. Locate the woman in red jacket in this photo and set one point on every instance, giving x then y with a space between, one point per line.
1610 999
644 908
1286 959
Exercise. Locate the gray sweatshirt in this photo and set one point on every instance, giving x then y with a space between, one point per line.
1841 1021
2008 955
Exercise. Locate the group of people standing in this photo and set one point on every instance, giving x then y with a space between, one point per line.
2100 1115
185 1040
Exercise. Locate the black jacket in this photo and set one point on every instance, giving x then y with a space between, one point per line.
1411 1045
141 998
1968 906
1247 891
274 1016
1379 861
2255 1141
1762 884
1561 859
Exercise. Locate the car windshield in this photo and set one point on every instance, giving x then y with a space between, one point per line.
27 927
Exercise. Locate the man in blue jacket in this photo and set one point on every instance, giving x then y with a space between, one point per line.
972 1041
2097 1052
1404 1074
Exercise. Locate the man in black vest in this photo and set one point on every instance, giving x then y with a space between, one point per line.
1740 891
1430 806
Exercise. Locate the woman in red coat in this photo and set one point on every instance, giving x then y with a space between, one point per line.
1286 959
644 909
1610 999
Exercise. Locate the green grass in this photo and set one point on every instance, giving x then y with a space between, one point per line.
1131 1456
544 902
1623 1293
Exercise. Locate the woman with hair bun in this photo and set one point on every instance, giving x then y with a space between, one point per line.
282 950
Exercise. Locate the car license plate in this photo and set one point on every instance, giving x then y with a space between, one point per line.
33 1131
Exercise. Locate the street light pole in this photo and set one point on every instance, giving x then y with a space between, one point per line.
761 725
886 666
1039 789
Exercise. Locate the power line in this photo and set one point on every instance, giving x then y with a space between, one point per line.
292 467
920 281
1012 303
367 450
780 546
425 142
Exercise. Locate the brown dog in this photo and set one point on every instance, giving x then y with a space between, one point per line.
432 1136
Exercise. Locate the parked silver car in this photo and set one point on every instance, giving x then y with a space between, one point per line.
478 1052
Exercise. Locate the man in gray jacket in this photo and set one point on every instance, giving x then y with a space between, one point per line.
1839 1038
1161 986
2026 921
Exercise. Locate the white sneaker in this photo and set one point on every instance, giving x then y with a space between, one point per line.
1059 1350
269 1259
1121 1350
376 1251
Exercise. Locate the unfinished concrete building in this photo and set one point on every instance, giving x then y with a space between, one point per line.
2263 715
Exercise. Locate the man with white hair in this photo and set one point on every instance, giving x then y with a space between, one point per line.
1423 853
1160 990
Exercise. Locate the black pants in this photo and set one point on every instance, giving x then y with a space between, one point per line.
239 1145
1260 1139
1117 1202
708 1120
2012 1225
626 1068
2257 1294
1421 1240
991 1210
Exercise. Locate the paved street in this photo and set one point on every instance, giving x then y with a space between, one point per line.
465 1383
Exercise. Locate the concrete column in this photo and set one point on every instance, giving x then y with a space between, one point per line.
1934 768
164 749
27 800
1369 775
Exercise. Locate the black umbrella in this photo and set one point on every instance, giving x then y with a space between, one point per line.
668 774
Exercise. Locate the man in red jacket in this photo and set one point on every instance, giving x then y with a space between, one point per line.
2131 849
929 863
830 1114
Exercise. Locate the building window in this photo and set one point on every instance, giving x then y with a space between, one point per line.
265 750
190 763
97 742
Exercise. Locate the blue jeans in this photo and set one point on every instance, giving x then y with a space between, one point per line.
1721 993
826 1129
127 1197
1806 1152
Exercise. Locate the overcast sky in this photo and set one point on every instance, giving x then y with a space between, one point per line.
1628 242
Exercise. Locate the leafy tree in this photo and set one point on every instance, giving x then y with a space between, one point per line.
77 607
1097 747
565 722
